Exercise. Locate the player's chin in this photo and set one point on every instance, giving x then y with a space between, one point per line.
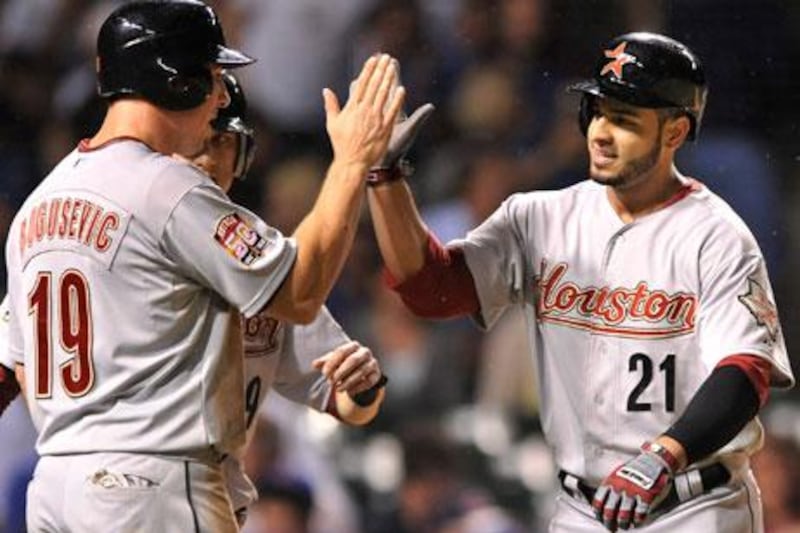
612 179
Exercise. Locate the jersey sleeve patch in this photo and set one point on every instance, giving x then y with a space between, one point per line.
239 239
757 301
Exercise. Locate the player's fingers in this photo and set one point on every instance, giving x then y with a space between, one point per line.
387 83
641 511
356 370
395 107
332 107
359 382
625 514
328 363
599 501
396 85
610 511
375 81
359 86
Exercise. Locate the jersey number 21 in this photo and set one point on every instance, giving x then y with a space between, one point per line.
643 363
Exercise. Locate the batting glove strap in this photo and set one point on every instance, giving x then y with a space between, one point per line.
634 489
378 176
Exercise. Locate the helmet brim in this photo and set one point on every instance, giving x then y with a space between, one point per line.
231 58
627 93
586 86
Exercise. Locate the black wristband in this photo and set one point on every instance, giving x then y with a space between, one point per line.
723 405
378 176
365 398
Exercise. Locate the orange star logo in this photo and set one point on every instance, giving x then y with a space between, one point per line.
619 58
761 307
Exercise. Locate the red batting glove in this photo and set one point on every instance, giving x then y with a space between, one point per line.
635 488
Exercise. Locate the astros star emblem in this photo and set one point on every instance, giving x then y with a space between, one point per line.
619 58
761 307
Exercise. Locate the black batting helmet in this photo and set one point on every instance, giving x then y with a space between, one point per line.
161 51
647 70
232 119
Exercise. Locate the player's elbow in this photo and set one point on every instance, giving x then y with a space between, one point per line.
306 312
301 313
297 307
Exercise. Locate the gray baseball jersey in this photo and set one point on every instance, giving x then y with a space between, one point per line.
278 356
625 320
124 265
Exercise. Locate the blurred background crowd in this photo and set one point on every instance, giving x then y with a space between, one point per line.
457 447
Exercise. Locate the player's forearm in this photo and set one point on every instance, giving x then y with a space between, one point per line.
721 408
402 235
350 412
324 239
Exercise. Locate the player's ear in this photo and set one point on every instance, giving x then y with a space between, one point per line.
676 129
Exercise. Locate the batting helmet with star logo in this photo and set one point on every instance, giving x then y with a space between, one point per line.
647 70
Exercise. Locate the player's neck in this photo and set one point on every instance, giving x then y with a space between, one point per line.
650 194
162 131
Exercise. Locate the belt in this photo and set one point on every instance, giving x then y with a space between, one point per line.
685 486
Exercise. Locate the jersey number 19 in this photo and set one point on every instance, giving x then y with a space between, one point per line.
66 313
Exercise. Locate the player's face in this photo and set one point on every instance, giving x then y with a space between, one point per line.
218 158
207 111
624 143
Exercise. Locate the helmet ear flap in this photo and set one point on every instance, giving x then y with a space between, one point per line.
186 91
587 111
245 155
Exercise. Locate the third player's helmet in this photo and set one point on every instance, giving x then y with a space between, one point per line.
161 51
233 119
647 70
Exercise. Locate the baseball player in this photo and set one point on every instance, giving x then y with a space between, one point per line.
646 298
128 268
276 352
293 359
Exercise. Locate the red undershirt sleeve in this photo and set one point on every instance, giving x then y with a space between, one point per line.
443 288
757 369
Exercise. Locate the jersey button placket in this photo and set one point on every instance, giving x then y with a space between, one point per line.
602 353
593 420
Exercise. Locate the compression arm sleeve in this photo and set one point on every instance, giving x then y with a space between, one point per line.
722 406
443 288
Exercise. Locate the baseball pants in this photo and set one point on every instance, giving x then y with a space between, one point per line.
121 492
733 508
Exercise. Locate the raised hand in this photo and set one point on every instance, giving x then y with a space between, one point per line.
405 130
360 130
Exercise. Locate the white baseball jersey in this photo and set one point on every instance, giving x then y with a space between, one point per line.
626 320
124 265
278 355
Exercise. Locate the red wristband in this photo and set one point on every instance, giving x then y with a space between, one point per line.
378 176
663 453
